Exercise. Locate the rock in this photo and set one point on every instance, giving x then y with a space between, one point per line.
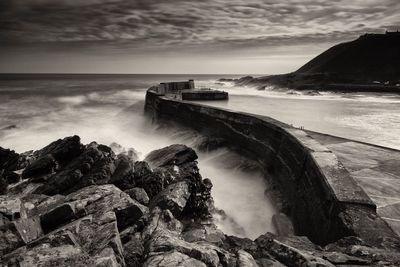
10 238
133 251
152 182
11 207
43 165
59 216
207 232
173 259
104 198
234 243
138 194
173 198
161 220
283 225
3 184
9 160
120 150
288 255
340 258
57 250
95 165
245 259
171 155
123 174
163 241
63 150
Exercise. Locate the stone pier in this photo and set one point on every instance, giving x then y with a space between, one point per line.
332 187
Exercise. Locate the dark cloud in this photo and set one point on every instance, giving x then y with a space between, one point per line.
149 27
146 22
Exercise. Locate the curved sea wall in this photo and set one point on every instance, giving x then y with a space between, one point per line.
322 199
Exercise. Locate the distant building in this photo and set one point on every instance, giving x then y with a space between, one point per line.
393 33
175 87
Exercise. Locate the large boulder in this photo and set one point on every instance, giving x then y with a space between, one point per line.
171 155
138 194
173 198
95 165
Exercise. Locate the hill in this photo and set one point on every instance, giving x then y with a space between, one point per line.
369 63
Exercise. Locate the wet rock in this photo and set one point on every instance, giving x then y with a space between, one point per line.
288 255
10 238
3 184
123 174
95 165
63 150
245 259
152 182
120 150
173 198
173 259
57 250
162 241
204 231
43 165
138 194
103 198
11 207
133 252
340 258
9 159
171 155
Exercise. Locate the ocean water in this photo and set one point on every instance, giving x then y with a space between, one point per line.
38 109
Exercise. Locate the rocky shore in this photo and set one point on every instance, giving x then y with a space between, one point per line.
70 204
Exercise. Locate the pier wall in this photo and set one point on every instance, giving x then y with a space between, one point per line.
322 199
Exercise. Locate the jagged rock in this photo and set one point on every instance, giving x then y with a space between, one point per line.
234 243
340 258
3 184
56 250
63 150
173 259
94 165
131 153
174 198
163 240
43 165
161 220
204 231
123 174
288 255
9 159
10 238
245 259
11 207
138 194
152 182
103 198
263 262
133 251
171 155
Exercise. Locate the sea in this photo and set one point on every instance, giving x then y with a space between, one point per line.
36 109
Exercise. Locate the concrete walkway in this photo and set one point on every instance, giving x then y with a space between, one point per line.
376 169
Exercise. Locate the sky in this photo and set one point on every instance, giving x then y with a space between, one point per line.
181 36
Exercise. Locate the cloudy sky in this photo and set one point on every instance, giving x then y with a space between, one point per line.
180 36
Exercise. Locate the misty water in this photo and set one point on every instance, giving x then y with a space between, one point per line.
36 111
